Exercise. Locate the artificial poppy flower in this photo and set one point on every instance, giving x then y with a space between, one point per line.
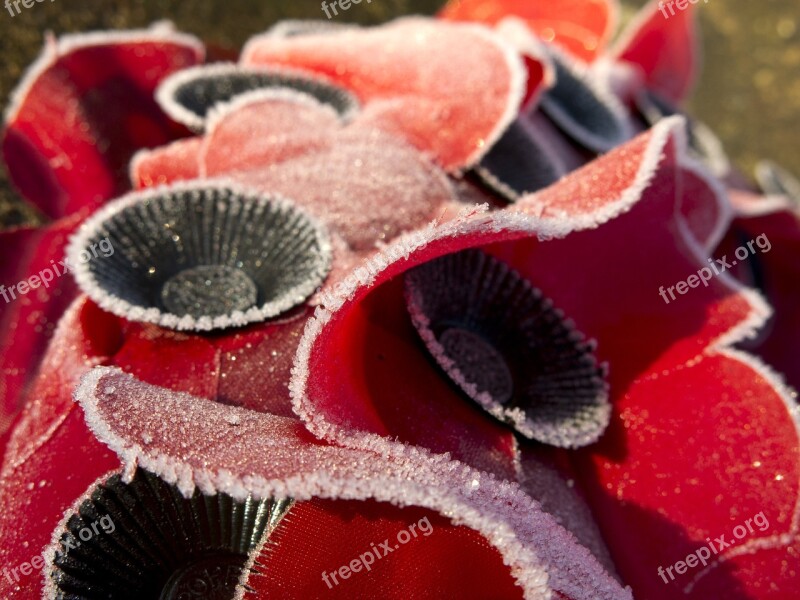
681 397
470 337
81 111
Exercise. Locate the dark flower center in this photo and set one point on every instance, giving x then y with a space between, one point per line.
202 257
507 348
144 539
209 290
581 110
517 164
191 94
486 366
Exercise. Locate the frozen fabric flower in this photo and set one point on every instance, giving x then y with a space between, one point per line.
190 435
447 340
574 114
79 114
366 185
681 398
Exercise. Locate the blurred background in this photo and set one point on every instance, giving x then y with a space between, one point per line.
748 92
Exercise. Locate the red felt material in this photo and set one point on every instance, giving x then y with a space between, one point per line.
693 454
27 321
68 143
451 92
326 535
177 161
665 49
779 272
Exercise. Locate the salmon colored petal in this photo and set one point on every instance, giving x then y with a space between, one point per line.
177 161
583 27
264 128
665 48
449 89
693 455
84 108
369 187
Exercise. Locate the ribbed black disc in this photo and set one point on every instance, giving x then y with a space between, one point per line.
153 543
506 347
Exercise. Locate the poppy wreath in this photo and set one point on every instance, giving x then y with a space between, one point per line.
394 291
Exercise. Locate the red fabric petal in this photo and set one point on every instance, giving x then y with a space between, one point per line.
84 108
692 455
28 321
775 226
615 300
449 89
581 26
266 128
86 336
368 186
36 494
442 561
664 48
177 161
171 359
619 298
255 364
194 443
52 457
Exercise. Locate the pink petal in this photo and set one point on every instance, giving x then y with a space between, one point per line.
84 108
449 89
366 185
176 161
265 128
665 49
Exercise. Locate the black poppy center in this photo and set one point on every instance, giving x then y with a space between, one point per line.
517 164
204 258
476 356
505 346
144 539
190 95
211 290
580 110
209 578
